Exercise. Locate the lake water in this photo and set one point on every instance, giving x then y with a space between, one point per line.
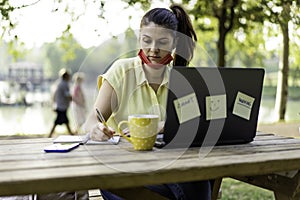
267 114
38 119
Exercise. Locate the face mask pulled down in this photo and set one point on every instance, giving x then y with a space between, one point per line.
164 61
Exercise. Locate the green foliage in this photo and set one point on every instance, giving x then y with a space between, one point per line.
236 190
73 53
280 12
245 17
65 52
245 42
207 42
52 61
16 49
247 48
145 4
5 9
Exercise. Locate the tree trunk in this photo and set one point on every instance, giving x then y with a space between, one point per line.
283 74
226 20
221 48
222 34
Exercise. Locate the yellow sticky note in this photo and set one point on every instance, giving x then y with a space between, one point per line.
187 108
243 105
216 107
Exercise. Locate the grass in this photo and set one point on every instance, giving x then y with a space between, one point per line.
236 190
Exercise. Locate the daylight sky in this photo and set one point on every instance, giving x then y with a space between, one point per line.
38 23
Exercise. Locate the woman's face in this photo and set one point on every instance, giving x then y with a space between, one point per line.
156 42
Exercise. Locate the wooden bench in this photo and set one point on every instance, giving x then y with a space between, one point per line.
216 193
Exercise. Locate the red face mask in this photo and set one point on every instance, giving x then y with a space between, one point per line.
166 60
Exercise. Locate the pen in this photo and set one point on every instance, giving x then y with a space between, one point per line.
102 119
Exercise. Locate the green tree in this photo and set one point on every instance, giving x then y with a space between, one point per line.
16 49
53 60
282 13
231 17
246 48
238 14
65 52
225 13
72 52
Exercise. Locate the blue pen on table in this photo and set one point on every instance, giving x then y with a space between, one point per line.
101 119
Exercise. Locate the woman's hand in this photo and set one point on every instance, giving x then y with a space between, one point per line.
101 133
161 126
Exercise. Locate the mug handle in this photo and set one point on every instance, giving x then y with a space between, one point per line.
121 132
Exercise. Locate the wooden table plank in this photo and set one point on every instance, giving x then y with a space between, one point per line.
82 154
27 169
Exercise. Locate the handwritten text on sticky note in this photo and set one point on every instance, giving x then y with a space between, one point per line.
187 108
243 105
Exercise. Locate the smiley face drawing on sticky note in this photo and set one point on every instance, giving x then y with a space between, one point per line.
216 107
243 105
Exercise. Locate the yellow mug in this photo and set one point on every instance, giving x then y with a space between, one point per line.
143 130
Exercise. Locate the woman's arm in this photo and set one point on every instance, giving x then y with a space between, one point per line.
106 102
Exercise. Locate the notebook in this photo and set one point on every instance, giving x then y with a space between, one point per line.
84 139
209 106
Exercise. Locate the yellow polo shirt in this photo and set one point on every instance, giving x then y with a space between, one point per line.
135 95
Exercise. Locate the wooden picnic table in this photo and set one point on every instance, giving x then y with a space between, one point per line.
269 161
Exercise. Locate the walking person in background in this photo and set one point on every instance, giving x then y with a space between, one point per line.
78 104
62 98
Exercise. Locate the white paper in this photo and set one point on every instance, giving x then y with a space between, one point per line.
69 139
187 108
243 105
113 140
216 107
84 139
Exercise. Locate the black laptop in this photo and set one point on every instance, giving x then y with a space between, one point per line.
209 106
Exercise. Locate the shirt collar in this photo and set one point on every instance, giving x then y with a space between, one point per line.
167 75
140 74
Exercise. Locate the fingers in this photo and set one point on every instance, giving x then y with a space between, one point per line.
109 132
98 135
101 132
126 131
161 126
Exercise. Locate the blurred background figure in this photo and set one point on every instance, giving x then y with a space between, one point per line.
78 104
61 99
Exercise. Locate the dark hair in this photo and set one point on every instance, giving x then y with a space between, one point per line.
65 75
178 20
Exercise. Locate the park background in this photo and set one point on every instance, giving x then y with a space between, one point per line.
39 37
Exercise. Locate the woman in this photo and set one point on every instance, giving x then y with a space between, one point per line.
78 103
139 85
